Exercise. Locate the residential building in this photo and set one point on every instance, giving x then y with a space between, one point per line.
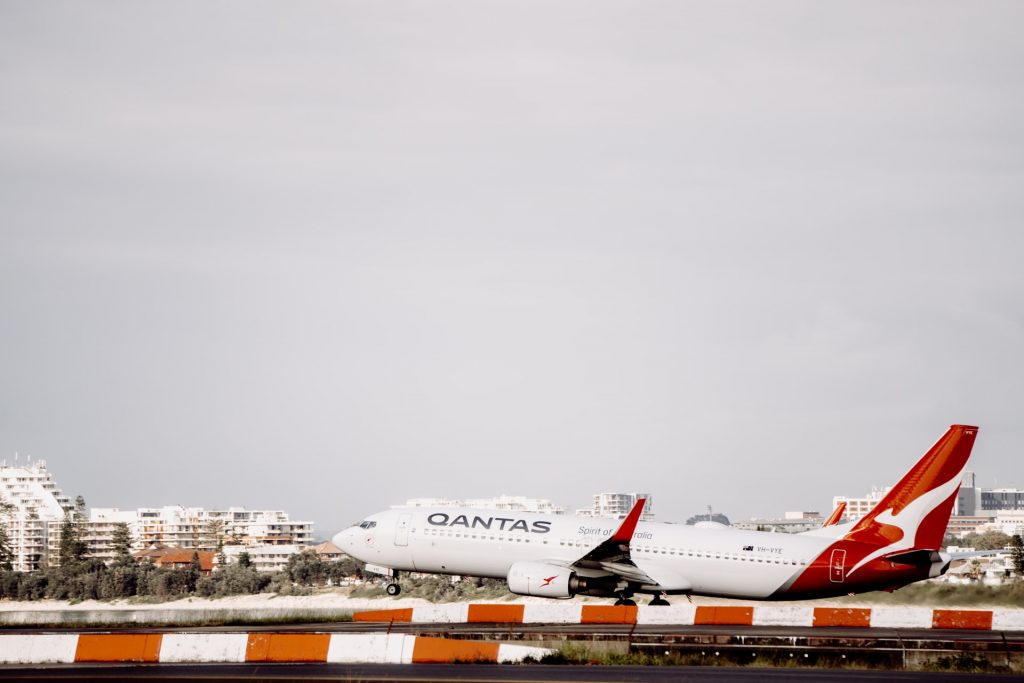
265 558
98 531
789 523
35 510
858 507
503 502
960 525
1009 522
618 505
328 552
177 558
195 528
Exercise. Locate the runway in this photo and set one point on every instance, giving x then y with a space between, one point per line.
470 673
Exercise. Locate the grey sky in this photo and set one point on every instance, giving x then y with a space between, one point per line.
328 256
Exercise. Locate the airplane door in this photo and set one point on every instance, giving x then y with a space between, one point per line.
402 530
836 570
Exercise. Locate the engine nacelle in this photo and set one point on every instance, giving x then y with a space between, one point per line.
542 580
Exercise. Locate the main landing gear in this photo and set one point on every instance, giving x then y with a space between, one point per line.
658 601
625 600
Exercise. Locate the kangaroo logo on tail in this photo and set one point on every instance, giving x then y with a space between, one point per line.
915 513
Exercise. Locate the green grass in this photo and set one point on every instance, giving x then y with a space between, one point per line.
439 589
936 594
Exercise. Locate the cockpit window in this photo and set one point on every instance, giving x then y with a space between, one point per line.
367 525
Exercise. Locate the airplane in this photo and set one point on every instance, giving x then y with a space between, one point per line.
561 556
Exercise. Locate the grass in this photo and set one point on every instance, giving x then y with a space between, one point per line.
439 589
936 594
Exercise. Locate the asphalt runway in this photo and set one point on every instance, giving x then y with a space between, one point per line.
467 673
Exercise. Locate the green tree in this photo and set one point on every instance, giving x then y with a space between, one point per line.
306 569
213 535
122 542
6 552
192 574
990 540
1017 555
70 549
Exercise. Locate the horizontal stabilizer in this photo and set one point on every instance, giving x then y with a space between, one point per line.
914 557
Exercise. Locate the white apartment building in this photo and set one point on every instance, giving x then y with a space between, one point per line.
1009 522
792 522
37 510
195 527
265 558
858 507
502 502
618 505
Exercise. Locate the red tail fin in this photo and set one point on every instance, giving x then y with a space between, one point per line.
917 509
836 515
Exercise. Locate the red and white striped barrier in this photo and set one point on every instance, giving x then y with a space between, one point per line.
698 615
355 648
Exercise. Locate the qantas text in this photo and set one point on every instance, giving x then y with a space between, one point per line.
500 523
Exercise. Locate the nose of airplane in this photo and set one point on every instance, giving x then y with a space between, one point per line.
344 539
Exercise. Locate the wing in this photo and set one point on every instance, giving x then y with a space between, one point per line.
613 555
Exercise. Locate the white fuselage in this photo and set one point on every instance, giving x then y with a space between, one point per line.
691 559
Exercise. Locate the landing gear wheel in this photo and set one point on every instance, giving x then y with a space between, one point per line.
625 602
393 589
658 602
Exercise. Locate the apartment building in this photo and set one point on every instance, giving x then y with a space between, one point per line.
618 505
793 522
858 507
34 511
503 502
265 558
195 528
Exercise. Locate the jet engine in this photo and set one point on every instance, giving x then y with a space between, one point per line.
542 580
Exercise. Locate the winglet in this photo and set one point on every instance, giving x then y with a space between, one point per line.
625 531
836 515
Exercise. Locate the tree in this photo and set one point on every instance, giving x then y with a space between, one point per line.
72 547
6 552
244 560
306 568
194 571
990 540
1017 555
215 539
122 541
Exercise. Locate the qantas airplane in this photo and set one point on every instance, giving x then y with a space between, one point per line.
556 556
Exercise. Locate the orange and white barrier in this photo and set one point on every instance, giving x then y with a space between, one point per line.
44 648
361 648
700 615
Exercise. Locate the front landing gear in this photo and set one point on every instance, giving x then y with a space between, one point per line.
393 589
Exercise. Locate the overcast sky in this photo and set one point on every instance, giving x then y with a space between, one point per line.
328 256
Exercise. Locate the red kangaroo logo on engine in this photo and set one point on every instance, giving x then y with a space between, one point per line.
547 581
